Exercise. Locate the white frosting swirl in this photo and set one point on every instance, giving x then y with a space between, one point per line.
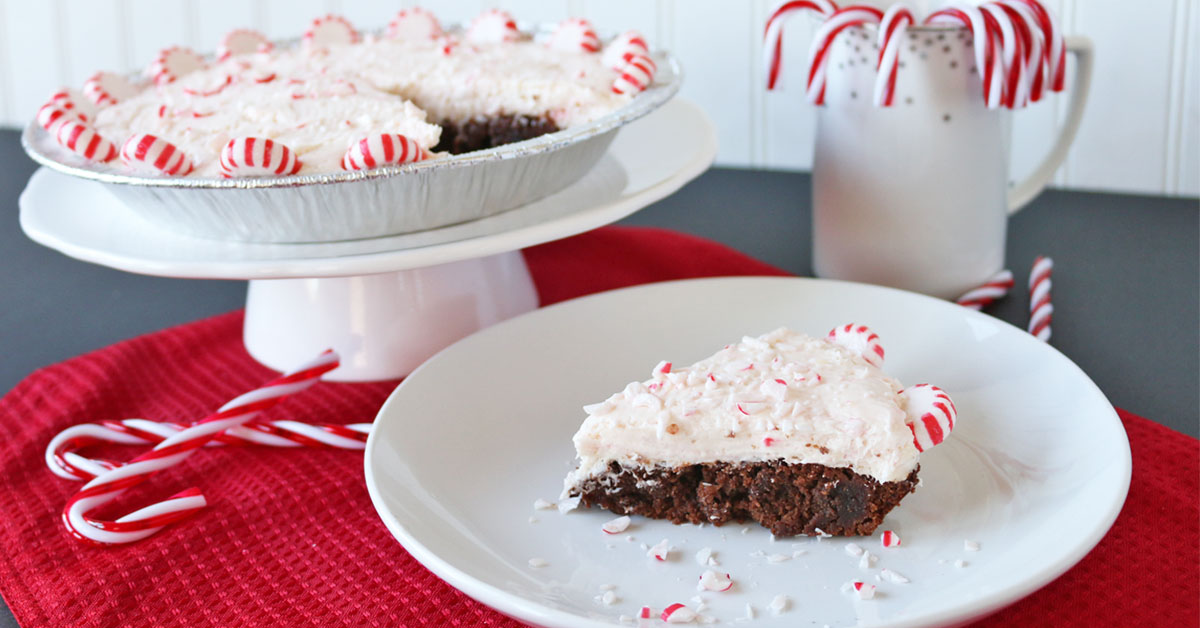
781 396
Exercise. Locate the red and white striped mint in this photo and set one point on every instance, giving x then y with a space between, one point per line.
53 115
931 414
859 339
381 150
678 614
493 26
889 539
106 88
149 154
243 41
574 34
635 75
616 526
257 157
623 46
330 30
174 63
73 101
81 138
415 24
714 581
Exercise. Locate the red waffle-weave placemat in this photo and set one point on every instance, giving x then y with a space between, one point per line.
291 538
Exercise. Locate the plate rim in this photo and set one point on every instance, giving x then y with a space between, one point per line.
515 606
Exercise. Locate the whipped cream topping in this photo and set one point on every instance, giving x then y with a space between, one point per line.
781 396
319 101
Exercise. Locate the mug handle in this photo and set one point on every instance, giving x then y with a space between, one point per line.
1033 185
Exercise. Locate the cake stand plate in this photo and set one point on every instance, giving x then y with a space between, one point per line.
385 304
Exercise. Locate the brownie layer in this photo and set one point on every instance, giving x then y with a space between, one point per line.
481 133
787 499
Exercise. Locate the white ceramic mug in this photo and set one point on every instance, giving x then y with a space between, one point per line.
916 195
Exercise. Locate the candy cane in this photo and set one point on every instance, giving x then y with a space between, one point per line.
65 462
1056 49
1034 46
892 27
773 35
1012 54
823 41
995 288
1040 308
986 59
111 483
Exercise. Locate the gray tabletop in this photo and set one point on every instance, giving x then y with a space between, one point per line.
1126 282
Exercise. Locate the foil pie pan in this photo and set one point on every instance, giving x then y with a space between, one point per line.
364 204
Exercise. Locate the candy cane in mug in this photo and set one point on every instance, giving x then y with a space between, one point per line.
773 35
986 43
823 41
892 26
63 459
1033 46
110 484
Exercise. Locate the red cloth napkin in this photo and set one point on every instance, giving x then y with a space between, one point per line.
290 538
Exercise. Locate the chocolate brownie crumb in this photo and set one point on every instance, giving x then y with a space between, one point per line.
487 132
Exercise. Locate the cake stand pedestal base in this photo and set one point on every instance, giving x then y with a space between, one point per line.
383 325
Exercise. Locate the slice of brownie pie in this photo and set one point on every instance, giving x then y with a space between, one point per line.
800 434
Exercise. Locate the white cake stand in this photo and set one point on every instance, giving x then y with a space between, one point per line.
385 304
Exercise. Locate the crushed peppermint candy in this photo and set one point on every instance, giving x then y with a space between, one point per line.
892 576
608 587
537 563
960 563
608 598
645 612
864 590
714 581
533 520
616 526
541 504
889 539
971 546
660 551
749 612
777 558
678 614
798 553
567 505
866 560
854 549
821 534
704 555
779 604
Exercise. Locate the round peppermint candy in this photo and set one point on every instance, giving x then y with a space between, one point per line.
106 88
635 75
242 41
257 157
381 150
415 24
74 101
574 35
931 414
330 30
53 115
150 154
174 63
493 26
859 339
84 141
623 46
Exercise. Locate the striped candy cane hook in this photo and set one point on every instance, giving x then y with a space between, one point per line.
773 35
819 53
986 42
110 483
63 459
892 26
1040 308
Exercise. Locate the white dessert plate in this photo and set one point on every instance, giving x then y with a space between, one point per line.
1035 472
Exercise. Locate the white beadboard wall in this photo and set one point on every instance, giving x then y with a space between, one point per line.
1141 132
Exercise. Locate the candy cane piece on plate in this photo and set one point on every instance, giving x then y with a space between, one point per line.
110 484
931 415
1041 311
63 459
892 26
773 32
819 52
